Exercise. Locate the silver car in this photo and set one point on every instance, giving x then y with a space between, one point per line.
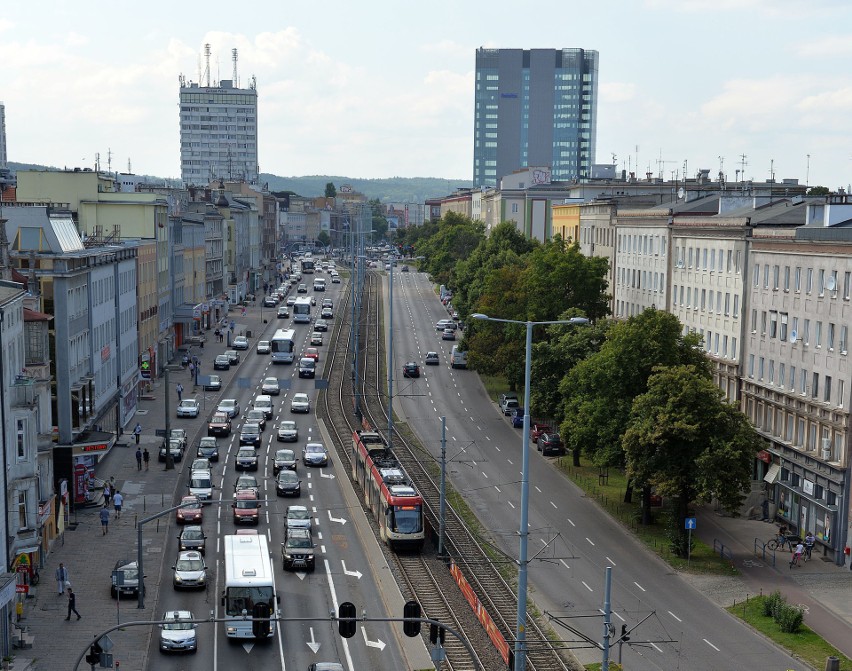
177 634
288 432
270 386
298 517
229 406
300 403
190 571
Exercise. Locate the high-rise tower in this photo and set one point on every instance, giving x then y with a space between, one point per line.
3 157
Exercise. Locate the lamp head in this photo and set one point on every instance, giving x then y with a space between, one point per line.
479 315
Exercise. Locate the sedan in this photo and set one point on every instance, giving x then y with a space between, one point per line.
229 406
263 347
219 425
270 301
316 338
188 407
246 482
190 571
222 362
312 353
233 355
298 517
250 435
291 301
192 538
246 459
411 369
320 325
314 454
270 386
178 434
327 303
300 403
190 511
448 334
284 460
176 448
302 289
288 484
256 416
327 313
240 342
288 432
208 448
432 359
215 383
283 312
178 633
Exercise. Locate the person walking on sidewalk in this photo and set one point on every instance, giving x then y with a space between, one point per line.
179 390
137 431
61 578
117 500
192 370
72 604
138 459
105 520
810 540
107 493
146 457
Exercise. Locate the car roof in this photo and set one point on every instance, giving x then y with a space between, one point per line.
178 615
300 395
189 554
287 475
297 508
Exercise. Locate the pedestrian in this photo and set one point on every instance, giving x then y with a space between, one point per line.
191 370
137 431
138 459
72 604
179 389
146 457
117 500
105 520
61 578
107 493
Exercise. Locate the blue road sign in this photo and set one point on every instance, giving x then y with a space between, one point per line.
689 523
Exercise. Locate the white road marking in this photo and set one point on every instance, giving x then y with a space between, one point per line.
710 644
562 561
609 560
675 616
485 474
511 504
570 522
586 586
552 503
591 542
656 648
498 489
638 585
537 489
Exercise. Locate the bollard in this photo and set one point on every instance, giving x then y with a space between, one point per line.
832 664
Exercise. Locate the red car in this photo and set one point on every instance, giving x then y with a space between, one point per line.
537 429
312 353
191 512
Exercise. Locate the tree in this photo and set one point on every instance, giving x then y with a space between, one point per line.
323 239
330 191
687 442
819 191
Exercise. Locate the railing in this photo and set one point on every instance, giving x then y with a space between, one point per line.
722 550
763 552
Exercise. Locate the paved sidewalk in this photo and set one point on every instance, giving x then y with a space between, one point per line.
90 556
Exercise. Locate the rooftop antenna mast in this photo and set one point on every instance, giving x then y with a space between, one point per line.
772 170
205 78
234 75
808 170
129 171
109 160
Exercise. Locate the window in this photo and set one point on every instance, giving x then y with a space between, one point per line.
815 385
22 509
738 261
773 323
761 364
719 302
795 328
806 334
771 371
826 390
797 279
783 333
831 336
733 348
800 433
756 279
818 334
847 284
781 375
727 304
736 306
712 260
841 386
703 259
703 298
689 297
803 377
715 343
843 333
809 283
789 435
776 272
766 276
730 260
821 281
753 320
786 278
751 365
792 378
21 439
725 346
763 322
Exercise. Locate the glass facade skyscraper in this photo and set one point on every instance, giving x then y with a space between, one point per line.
534 108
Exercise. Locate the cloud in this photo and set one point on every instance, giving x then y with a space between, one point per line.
6 25
616 92
73 39
830 46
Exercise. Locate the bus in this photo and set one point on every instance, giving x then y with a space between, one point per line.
302 310
283 346
249 588
307 266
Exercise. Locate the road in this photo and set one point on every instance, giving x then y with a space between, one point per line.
571 540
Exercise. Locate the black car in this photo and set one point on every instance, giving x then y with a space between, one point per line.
222 362
411 369
250 434
550 443
130 582
208 449
233 356
288 484
192 538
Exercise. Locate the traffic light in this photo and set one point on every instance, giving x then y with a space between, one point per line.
346 624
624 636
411 609
436 634
94 656
261 628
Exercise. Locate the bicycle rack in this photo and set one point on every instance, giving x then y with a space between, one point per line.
763 551
723 551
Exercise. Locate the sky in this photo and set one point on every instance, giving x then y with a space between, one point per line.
384 88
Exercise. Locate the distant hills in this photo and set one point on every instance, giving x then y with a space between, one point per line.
390 189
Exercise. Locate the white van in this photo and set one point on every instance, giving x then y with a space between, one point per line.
319 284
458 359
201 485
264 402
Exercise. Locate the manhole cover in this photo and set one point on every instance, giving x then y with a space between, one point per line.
141 412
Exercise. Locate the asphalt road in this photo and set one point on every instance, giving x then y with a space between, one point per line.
571 541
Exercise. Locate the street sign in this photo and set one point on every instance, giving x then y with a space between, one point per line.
145 370
22 589
689 523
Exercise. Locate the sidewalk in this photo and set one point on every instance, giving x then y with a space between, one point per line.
821 587
90 556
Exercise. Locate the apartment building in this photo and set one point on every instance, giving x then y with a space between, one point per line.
641 261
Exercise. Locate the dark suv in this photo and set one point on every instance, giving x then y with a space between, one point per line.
550 443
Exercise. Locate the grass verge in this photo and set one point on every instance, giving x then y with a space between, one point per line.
804 644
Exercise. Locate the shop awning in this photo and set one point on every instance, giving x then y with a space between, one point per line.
772 474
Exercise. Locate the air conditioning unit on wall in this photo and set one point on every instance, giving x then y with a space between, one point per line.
826 454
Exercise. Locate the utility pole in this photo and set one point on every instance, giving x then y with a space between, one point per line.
170 461
442 517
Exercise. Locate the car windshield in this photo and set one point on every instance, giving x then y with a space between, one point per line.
189 565
177 626
285 455
246 453
200 483
246 483
299 542
246 504
192 534
227 404
287 477
189 503
301 398
129 573
289 426
251 428
298 515
314 449
271 381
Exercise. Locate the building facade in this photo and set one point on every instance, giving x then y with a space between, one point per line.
534 107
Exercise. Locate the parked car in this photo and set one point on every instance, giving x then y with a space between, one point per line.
316 338
300 403
550 443
536 429
287 483
448 334
229 406
190 571
188 407
314 454
263 347
444 324
176 448
130 584
270 301
518 418
179 434
215 384
190 511
240 342
432 359
297 517
288 432
219 424
246 459
284 460
320 325
208 448
178 633
270 386
192 538
233 356
246 508
222 362
411 369
297 551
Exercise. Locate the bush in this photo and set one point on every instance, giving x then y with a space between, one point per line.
772 603
789 618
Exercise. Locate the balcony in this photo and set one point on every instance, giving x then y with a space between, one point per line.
23 392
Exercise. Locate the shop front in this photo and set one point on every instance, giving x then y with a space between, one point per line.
76 463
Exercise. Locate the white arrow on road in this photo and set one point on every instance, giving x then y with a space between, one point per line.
248 646
355 574
335 519
312 644
378 643
330 476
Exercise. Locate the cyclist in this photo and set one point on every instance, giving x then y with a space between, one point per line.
810 539
782 535
797 554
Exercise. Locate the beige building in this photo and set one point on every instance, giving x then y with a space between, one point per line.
641 261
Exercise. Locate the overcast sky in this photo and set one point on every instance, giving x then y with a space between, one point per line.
384 88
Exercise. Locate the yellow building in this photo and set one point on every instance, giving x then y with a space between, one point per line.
566 222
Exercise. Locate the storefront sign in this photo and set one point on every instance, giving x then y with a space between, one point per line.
808 487
764 456
97 447
22 589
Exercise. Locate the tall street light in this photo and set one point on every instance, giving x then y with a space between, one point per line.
521 633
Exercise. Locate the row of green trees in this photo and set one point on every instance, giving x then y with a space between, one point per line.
636 395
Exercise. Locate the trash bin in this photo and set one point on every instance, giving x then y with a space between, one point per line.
248 334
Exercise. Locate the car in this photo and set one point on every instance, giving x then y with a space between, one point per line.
188 407
250 434
233 356
229 406
284 460
246 459
222 362
246 483
302 289
297 551
178 434
320 325
307 367
314 454
192 538
432 359
190 511
312 353
509 405
190 571
270 386
327 303
130 583
200 464
411 369
300 403
246 508
219 424
176 448
335 278
518 418
288 432
316 338
448 334
201 483
208 448
177 634
264 403
444 324
214 384
537 429
313 299
283 312
550 443
326 313
270 301
387 266
256 416
291 301
240 342
287 483
263 347
454 315
297 517
404 269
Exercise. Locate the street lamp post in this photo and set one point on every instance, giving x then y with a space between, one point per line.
523 533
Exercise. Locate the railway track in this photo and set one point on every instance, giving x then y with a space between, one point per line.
425 578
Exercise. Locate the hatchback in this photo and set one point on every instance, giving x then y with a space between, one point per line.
208 448
270 301
219 425
192 538
257 416
240 342
246 508
222 362
250 435
550 443
320 325
270 386
190 511
297 517
233 356
327 313
263 347
130 584
288 484
214 384
229 406
283 312
291 301
312 353
302 289
288 432
178 634
300 403
246 482
314 454
448 334
411 369
190 571
316 338
432 359
284 460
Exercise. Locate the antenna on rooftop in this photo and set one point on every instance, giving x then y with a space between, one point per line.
206 76
234 75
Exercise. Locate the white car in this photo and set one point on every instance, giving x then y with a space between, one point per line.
240 342
300 403
263 347
288 432
177 634
188 407
229 406
190 571
270 386
298 517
